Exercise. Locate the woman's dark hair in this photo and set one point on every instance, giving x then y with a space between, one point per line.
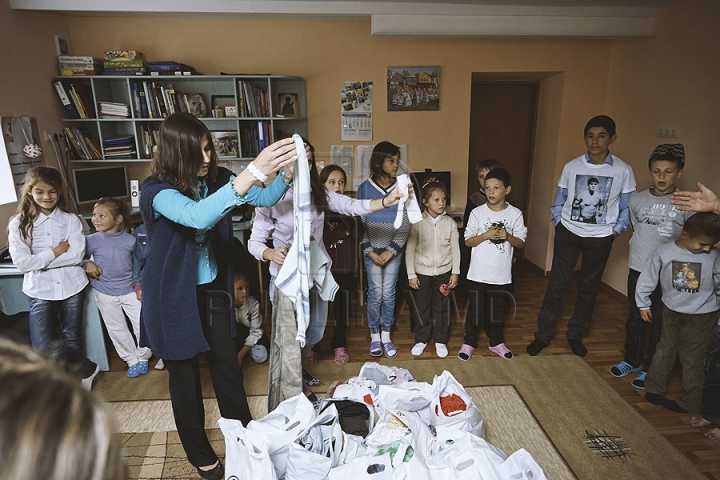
325 173
118 207
317 192
179 158
381 151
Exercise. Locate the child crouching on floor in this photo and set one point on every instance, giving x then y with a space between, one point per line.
689 273
250 337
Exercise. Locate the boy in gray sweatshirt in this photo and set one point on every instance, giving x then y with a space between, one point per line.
689 273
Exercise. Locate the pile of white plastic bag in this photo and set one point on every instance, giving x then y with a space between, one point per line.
417 431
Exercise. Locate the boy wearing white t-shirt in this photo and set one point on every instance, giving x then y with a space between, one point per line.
589 211
493 231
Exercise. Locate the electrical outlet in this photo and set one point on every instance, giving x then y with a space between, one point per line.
668 132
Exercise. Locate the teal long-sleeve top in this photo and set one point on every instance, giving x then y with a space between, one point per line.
204 212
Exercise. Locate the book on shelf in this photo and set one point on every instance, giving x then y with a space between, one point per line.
80 146
149 138
78 59
262 134
76 72
253 100
119 147
113 110
128 55
125 71
82 97
124 63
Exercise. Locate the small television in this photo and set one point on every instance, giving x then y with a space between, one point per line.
91 184
419 179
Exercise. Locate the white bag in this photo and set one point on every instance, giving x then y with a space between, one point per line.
521 466
282 426
303 464
468 421
246 453
464 456
407 397
365 468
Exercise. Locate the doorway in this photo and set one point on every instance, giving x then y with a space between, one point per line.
502 126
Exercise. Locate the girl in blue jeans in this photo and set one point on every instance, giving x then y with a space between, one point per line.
47 245
382 246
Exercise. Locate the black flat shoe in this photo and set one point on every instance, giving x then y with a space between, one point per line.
216 473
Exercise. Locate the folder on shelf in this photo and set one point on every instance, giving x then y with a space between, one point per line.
71 109
262 141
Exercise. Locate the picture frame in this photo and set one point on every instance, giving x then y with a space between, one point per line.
226 143
218 103
287 105
413 89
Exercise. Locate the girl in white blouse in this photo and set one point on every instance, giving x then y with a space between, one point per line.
47 245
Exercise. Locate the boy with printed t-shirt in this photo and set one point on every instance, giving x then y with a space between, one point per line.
584 225
654 221
689 271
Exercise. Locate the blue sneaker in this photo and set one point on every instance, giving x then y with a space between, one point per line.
134 371
142 367
639 381
623 368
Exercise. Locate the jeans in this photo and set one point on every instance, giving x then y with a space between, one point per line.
635 325
48 318
381 293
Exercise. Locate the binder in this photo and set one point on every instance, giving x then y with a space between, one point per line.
71 110
262 141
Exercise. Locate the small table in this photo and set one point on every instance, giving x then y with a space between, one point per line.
14 301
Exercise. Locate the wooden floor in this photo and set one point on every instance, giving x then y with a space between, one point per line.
605 348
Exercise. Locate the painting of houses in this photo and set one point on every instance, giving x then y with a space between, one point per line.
413 88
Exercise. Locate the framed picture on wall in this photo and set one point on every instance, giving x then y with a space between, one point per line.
413 89
226 143
287 105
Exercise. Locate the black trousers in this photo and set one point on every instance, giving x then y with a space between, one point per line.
227 378
487 306
566 251
432 309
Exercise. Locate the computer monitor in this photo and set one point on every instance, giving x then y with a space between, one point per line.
419 179
91 184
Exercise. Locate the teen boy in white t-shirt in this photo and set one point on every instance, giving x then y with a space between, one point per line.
589 236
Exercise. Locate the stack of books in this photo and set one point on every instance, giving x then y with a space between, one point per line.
79 145
170 68
124 62
76 97
71 65
254 100
113 110
119 147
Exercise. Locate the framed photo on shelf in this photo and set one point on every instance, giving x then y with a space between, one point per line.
287 105
226 143
218 104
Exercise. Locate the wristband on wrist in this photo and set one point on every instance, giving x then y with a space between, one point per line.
382 201
257 173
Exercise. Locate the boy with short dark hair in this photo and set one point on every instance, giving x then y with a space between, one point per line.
654 221
689 271
577 235
494 230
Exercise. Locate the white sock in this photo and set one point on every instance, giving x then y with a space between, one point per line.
374 337
385 336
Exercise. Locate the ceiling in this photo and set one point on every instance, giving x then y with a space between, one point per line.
505 18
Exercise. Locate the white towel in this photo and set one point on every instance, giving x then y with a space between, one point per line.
413 209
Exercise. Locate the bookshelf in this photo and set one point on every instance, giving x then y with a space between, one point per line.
236 138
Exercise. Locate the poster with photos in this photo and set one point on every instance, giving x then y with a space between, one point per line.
413 88
356 99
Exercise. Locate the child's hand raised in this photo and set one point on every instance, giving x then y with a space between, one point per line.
275 156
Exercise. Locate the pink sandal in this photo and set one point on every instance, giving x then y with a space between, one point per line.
465 352
502 351
341 356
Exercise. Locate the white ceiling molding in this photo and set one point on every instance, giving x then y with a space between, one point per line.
513 18
511 26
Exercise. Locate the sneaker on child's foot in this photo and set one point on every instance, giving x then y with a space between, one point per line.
639 381
441 350
418 349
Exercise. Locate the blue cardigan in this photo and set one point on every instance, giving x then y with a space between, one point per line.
170 320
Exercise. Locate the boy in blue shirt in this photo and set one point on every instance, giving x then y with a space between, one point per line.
654 221
591 237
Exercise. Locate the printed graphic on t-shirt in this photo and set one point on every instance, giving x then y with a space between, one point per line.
658 216
500 244
686 276
591 197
